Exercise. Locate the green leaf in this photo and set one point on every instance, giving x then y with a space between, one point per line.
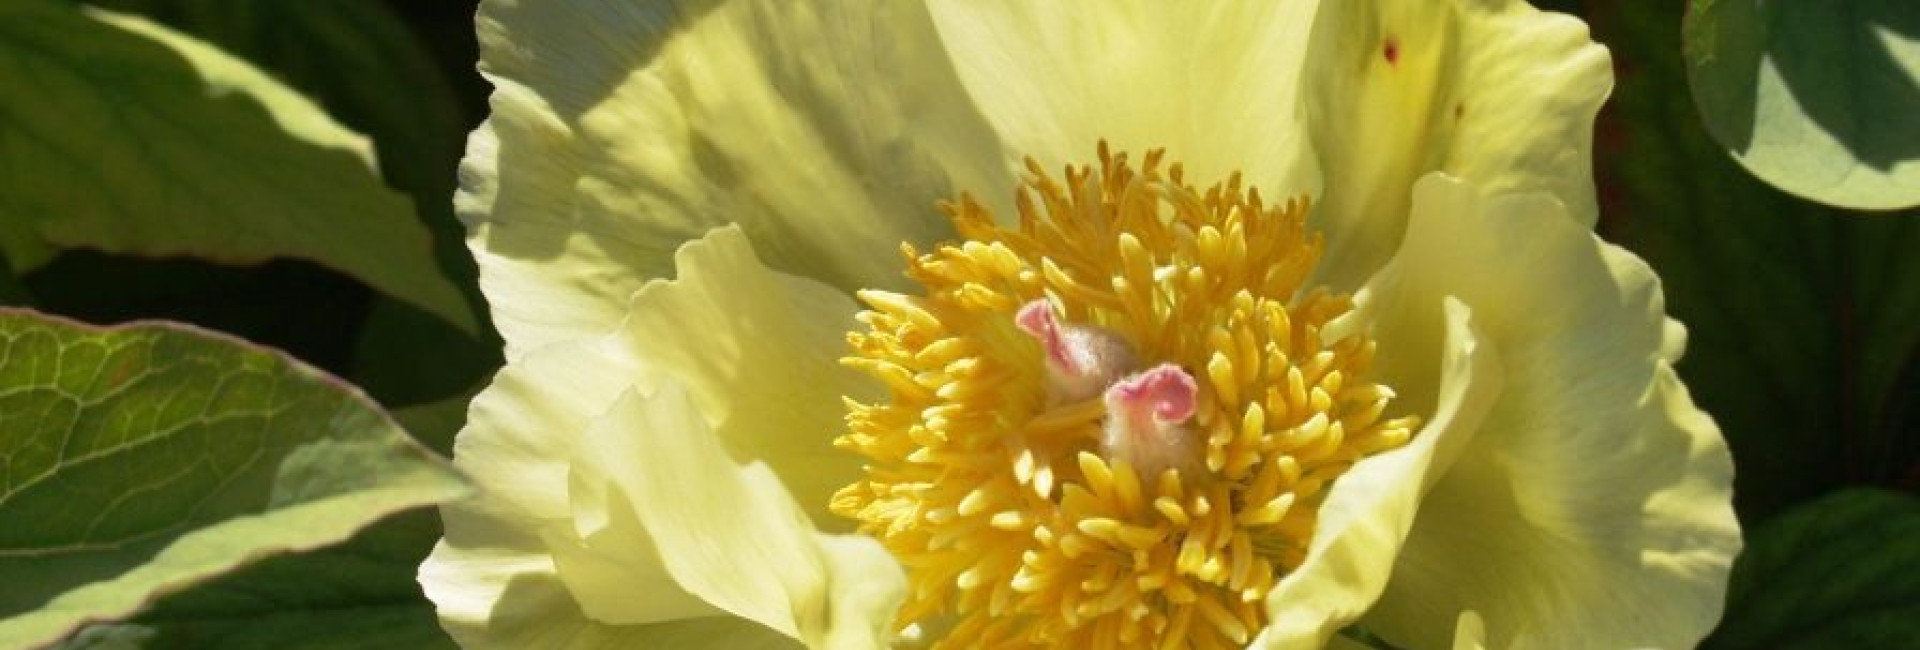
143 459
1800 316
359 595
12 292
351 57
434 424
1838 573
405 357
357 60
137 139
109 636
1817 98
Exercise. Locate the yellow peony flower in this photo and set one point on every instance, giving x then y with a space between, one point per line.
1238 324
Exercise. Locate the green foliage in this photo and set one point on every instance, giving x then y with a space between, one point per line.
1802 317
360 595
1837 573
360 62
148 458
12 292
147 141
1817 98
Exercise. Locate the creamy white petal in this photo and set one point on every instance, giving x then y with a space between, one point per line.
759 351
1369 509
513 601
1493 91
620 130
751 354
1216 84
607 559
732 535
1592 509
496 577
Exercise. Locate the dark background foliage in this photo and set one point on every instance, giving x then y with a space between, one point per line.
1804 321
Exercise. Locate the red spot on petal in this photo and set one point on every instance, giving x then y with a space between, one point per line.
1391 50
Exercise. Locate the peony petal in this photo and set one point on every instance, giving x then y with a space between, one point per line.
1369 509
759 351
752 351
1593 507
513 601
732 535
620 130
1490 90
1203 81
496 577
608 560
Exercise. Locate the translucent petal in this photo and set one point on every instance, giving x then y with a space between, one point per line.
759 352
559 440
620 130
1215 84
1493 91
1592 509
1369 509
732 535
491 600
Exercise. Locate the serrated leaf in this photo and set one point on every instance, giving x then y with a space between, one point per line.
1817 98
126 136
1801 316
143 459
1837 573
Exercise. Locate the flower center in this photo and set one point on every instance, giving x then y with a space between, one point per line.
1112 426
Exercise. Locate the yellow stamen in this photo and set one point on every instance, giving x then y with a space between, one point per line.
1017 526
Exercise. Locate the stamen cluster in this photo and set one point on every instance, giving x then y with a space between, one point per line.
999 486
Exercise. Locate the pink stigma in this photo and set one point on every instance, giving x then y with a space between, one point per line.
1168 390
1036 318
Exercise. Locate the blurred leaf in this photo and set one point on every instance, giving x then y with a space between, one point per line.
12 292
143 459
108 636
1817 98
360 62
435 423
1837 573
128 137
291 305
1801 316
406 357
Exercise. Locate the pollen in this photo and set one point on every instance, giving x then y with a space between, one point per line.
1109 425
